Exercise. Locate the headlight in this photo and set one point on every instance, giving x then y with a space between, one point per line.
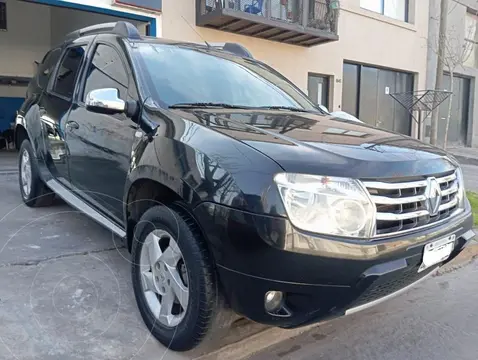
327 205
461 189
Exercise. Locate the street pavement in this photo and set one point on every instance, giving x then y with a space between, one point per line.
65 288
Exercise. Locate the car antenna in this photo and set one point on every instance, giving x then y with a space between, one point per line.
198 34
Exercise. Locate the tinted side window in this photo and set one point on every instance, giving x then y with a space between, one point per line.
47 66
67 73
106 71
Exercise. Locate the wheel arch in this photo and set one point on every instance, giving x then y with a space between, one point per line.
20 135
144 192
29 127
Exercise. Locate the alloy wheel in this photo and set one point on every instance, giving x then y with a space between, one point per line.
164 278
26 172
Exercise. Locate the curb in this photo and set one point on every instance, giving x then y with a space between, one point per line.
467 256
465 160
251 345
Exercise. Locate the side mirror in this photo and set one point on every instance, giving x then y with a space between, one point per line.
105 101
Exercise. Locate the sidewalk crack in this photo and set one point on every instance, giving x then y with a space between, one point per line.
62 256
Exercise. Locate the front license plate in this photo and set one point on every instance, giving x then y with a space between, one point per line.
437 251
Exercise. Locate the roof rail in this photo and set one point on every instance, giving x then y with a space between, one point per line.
233 48
121 28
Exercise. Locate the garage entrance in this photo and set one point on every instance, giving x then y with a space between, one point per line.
365 94
457 130
28 29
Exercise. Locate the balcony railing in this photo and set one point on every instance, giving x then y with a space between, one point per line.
298 22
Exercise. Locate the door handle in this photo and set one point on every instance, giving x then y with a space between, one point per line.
72 125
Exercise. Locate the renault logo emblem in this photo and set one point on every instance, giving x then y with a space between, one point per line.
433 194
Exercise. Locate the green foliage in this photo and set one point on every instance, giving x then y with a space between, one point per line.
473 197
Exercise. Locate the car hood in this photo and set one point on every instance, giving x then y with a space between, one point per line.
322 145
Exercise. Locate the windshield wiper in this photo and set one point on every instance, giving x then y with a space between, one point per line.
291 108
231 106
206 105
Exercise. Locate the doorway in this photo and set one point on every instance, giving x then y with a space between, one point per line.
318 88
457 130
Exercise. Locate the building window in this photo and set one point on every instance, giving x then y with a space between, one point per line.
318 88
396 9
471 40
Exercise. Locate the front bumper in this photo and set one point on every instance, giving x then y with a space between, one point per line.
325 278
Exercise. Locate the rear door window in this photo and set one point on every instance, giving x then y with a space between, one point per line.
47 66
64 84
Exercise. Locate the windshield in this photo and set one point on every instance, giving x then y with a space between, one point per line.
186 75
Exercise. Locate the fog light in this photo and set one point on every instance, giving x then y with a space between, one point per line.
273 301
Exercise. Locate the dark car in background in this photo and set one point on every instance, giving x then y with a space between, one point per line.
231 189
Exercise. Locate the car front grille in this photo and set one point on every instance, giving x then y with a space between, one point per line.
406 205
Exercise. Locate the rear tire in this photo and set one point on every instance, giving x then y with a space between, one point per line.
171 229
33 190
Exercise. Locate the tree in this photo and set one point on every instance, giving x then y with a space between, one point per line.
453 49
440 50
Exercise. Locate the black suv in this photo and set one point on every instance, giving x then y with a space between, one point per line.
229 186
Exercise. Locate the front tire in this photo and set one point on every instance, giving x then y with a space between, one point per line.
32 188
173 278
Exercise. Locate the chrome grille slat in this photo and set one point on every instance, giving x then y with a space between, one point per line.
383 200
398 217
449 191
404 206
449 204
395 186
448 178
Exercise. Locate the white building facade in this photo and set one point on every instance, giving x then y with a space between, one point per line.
376 47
